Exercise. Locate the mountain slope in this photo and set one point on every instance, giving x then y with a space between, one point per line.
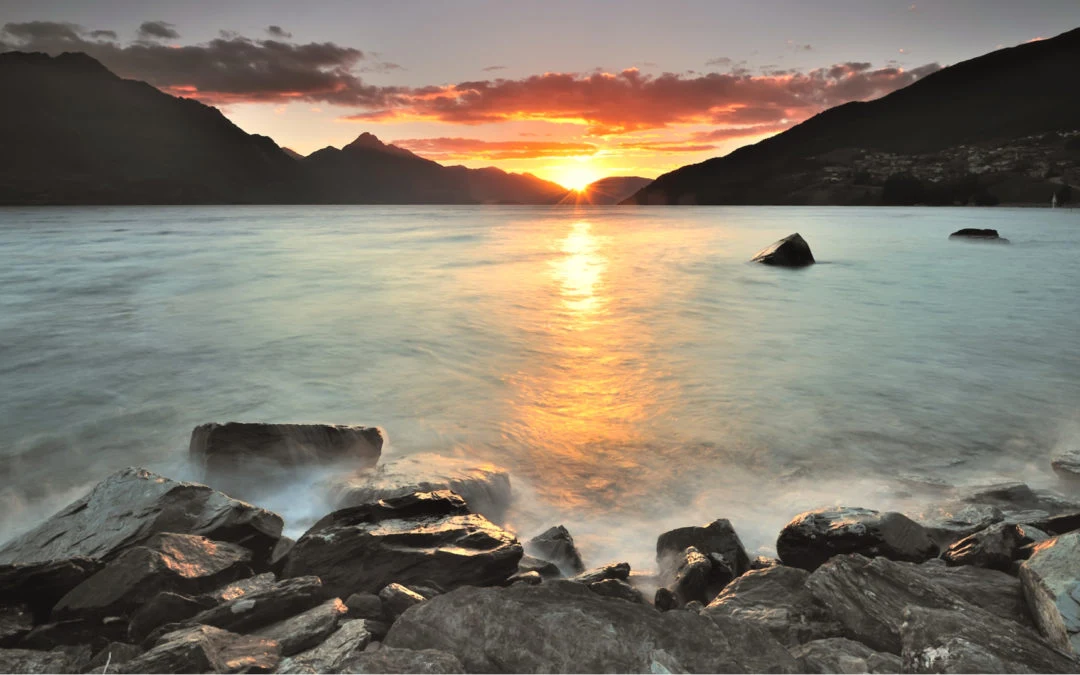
1001 97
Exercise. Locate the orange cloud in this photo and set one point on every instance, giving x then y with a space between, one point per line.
473 148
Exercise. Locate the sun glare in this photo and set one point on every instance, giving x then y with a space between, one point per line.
576 178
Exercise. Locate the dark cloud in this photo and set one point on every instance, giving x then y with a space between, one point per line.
491 69
278 32
106 34
719 61
157 30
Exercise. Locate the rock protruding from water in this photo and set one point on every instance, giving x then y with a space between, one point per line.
561 626
556 545
976 234
1067 465
132 505
426 537
1051 580
791 251
813 537
717 537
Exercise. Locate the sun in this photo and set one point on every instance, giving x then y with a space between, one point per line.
576 177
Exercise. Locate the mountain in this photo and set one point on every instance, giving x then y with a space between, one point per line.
613 189
1000 127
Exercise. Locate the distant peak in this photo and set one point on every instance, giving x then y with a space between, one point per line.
369 141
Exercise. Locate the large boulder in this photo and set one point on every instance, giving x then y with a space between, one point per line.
791 251
1051 582
813 537
975 234
307 629
776 598
420 538
717 537
132 505
968 640
841 655
562 627
205 649
556 546
239 445
997 547
331 655
39 585
485 487
391 660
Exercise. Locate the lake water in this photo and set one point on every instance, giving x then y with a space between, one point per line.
628 365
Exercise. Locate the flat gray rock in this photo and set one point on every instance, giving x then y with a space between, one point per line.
840 655
1051 582
331 656
562 627
813 537
996 592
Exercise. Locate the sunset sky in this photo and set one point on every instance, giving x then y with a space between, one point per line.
566 90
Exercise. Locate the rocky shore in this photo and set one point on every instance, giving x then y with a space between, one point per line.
415 572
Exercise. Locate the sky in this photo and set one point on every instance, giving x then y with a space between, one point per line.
568 90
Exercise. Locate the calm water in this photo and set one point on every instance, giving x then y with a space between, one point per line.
628 366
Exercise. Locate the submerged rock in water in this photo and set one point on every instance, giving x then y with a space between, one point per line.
132 505
557 546
791 251
561 626
1051 580
977 234
813 537
236 445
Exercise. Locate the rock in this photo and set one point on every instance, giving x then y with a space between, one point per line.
114 654
277 555
665 600
1060 524
619 571
307 629
391 660
994 548
692 577
791 251
971 233
561 626
95 633
557 546
132 505
201 649
1067 465
956 521
1051 583
35 661
40 585
526 578
15 622
716 537
614 588
968 640
423 537
179 563
996 592
235 446
364 606
547 570
485 487
163 608
331 656
237 589
776 599
814 537
840 655
397 598
763 562
261 608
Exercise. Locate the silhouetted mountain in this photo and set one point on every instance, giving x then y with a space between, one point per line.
613 189
938 131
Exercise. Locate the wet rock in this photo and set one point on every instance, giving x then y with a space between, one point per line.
391 660
953 522
561 626
485 487
840 655
614 588
179 563
996 547
556 545
1067 465
814 537
619 571
15 622
1051 582
261 608
307 629
202 649
776 599
132 505
420 538
40 585
114 654
163 608
237 445
547 570
35 661
240 588
967 640
397 598
972 233
665 600
691 577
531 578
791 251
331 656
716 537
364 606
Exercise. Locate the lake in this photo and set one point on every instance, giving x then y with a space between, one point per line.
628 365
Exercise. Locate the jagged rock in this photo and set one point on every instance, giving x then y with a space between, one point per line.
526 578
996 592
259 582
814 537
776 598
307 629
261 608
132 505
391 660
35 661
717 537
619 571
614 588
841 655
397 598
1067 465
556 545
956 521
972 233
996 547
485 487
40 585
665 600
547 570
201 649
420 538
561 626
364 606
331 656
763 562
163 608
166 562
968 640
791 251
236 445
114 654
15 622
692 577
1051 582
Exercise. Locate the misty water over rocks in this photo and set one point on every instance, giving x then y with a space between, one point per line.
628 366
